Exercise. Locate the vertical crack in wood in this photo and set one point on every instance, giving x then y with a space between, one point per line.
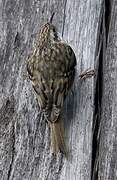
97 101
12 153
101 51
64 18
108 6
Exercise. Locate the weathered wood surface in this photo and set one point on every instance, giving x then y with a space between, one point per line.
24 136
108 125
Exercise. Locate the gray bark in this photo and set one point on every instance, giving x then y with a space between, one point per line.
25 152
108 125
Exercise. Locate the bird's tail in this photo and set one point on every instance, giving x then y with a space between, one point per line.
57 138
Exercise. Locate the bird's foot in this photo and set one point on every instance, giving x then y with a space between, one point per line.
87 73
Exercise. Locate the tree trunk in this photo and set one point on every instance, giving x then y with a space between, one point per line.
90 110
108 124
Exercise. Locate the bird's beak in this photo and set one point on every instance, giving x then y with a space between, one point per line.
51 18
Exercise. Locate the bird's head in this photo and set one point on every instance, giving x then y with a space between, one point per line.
48 33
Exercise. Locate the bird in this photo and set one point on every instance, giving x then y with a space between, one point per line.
51 69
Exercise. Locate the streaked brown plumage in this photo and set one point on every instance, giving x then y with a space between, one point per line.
51 68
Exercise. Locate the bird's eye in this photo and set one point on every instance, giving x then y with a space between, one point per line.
54 30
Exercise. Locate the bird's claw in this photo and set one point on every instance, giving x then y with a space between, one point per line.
87 73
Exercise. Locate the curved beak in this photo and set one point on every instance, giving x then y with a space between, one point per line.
51 18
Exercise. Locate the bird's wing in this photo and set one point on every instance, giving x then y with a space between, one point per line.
63 83
38 82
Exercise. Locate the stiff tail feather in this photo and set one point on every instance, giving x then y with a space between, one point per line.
57 138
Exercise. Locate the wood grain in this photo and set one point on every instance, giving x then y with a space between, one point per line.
24 135
108 126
